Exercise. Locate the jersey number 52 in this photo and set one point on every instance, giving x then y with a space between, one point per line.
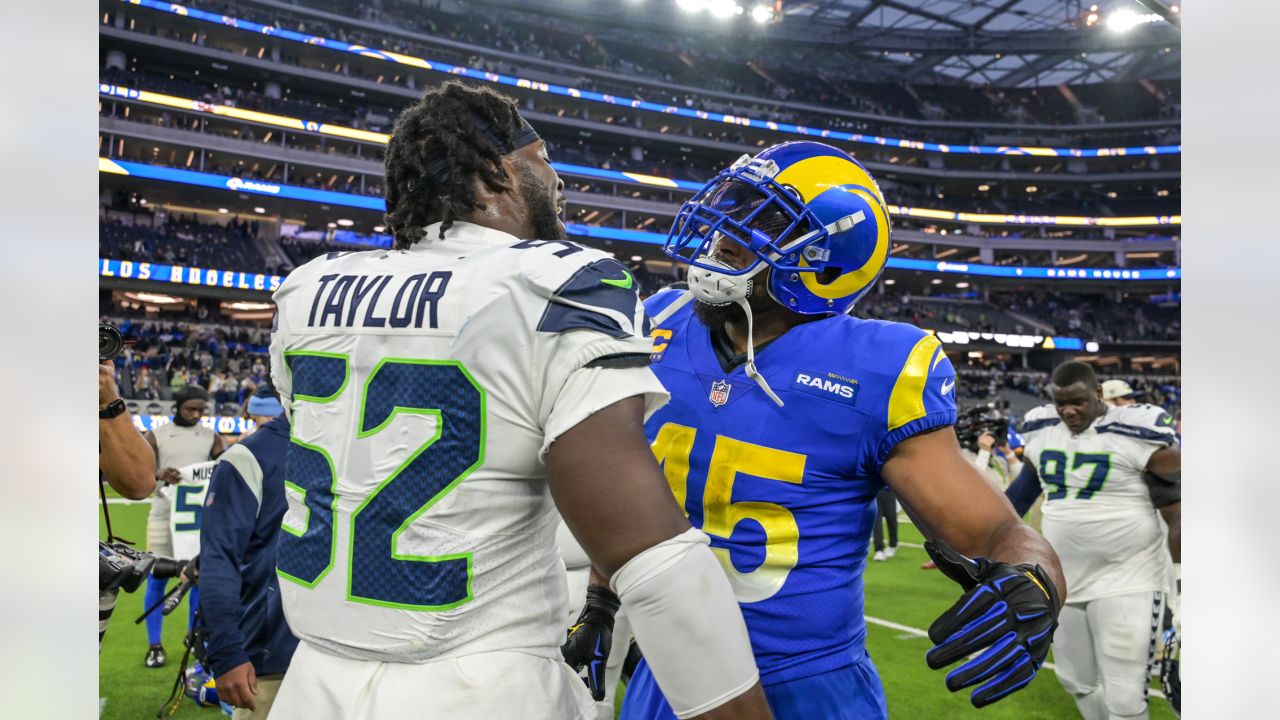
378 573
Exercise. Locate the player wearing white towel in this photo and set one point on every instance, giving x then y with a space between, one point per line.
177 444
1112 512
441 395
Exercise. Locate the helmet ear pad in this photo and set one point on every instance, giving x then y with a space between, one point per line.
855 256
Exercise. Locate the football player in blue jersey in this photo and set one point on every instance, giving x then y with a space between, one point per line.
787 417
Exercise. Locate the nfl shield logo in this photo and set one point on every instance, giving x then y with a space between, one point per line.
719 393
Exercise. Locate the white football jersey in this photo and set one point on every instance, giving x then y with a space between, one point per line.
188 503
424 388
1098 514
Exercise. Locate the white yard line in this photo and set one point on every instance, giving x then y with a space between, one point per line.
921 633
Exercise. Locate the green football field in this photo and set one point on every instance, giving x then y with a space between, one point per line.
902 600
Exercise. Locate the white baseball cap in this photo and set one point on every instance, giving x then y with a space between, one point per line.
1113 389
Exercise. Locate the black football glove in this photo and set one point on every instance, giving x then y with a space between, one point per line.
591 637
1010 610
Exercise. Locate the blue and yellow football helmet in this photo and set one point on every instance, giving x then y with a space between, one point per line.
803 208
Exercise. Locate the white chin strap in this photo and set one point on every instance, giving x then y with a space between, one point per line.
715 288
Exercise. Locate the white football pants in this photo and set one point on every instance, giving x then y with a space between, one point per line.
1103 650
484 686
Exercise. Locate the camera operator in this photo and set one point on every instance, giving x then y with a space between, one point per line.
978 429
177 444
124 457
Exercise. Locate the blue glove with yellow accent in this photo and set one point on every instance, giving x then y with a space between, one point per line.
591 637
1009 612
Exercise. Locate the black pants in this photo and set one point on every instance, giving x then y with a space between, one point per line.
886 512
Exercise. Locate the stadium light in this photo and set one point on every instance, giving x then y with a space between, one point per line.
722 8
157 298
345 222
762 14
1125 20
689 5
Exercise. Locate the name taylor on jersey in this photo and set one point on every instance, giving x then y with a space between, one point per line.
340 299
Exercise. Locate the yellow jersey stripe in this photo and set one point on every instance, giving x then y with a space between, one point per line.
906 402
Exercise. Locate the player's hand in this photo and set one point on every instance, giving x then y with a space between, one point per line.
169 476
591 637
1009 612
238 685
107 390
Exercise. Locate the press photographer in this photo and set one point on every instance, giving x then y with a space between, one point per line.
124 456
983 432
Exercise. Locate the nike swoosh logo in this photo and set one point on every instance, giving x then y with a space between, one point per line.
947 385
626 283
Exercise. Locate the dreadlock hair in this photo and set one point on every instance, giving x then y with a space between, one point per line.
1069 373
443 125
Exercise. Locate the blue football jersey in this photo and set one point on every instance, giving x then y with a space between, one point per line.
787 494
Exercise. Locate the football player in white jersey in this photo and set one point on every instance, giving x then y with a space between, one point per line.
176 444
442 394
1113 512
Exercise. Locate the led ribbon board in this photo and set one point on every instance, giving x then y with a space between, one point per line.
638 104
153 98
220 278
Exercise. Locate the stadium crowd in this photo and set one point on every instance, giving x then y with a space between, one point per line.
229 359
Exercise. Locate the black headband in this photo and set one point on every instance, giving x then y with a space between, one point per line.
437 168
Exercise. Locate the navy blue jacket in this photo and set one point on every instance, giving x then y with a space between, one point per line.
239 592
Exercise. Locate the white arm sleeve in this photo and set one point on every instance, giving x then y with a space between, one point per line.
688 624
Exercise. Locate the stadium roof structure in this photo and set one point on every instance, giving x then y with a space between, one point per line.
1001 43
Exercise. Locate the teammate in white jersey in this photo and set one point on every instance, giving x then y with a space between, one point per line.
188 506
441 394
1112 512
177 444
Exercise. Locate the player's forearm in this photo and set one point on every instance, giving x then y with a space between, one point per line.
126 459
1172 515
1017 544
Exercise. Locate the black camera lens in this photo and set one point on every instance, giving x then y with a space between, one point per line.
110 341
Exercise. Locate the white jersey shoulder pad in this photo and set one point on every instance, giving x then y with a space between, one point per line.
1143 422
586 289
1039 418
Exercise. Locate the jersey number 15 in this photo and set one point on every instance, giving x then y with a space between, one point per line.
720 514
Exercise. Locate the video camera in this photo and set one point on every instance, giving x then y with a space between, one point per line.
972 422
121 567
110 342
